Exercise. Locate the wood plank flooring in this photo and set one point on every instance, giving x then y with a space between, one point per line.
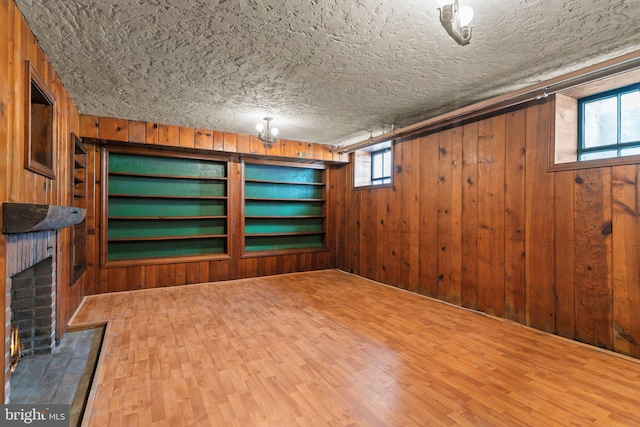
329 348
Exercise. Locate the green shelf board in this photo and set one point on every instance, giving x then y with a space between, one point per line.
282 208
270 243
119 229
282 191
166 207
159 249
286 225
165 166
281 173
158 186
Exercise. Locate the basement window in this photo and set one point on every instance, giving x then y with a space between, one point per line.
609 124
373 166
381 166
597 124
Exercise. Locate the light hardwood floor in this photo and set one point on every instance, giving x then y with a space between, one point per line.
329 348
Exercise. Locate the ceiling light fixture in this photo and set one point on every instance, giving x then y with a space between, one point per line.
266 133
456 20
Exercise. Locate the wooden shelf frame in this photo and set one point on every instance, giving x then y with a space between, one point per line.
280 240
186 246
79 176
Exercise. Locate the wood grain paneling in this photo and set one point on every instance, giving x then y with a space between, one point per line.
626 259
20 185
469 224
6 34
593 228
445 242
429 148
564 254
203 139
514 211
554 250
491 218
540 235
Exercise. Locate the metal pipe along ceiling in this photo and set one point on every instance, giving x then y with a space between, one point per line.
609 68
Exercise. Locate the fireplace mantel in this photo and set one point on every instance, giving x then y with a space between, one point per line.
26 217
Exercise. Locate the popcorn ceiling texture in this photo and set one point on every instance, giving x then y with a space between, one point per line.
329 71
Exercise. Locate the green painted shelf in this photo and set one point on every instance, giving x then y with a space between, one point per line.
284 208
161 206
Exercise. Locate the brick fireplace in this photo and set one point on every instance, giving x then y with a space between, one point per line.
30 294
31 259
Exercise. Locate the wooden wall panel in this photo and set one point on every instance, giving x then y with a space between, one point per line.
135 277
137 132
428 273
558 251
369 252
24 186
332 220
514 211
406 166
5 136
203 139
564 254
540 230
455 287
342 188
593 228
381 232
469 221
411 239
394 223
187 137
444 216
626 259
491 216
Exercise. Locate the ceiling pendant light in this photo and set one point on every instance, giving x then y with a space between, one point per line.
266 133
456 20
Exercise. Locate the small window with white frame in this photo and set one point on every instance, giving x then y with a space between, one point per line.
609 124
381 166
373 166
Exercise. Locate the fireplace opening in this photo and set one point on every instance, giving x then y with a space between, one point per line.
15 348
32 308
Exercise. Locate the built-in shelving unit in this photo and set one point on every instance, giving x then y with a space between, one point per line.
165 207
284 207
79 175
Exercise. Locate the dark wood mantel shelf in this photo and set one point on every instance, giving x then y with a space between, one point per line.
26 217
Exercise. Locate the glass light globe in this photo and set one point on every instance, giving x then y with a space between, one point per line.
274 131
466 15
259 127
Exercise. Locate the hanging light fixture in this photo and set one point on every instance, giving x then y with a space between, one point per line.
456 20
266 133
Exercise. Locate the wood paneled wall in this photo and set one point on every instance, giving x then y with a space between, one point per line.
156 134
475 219
17 45
176 272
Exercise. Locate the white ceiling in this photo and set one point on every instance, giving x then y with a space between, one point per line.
328 71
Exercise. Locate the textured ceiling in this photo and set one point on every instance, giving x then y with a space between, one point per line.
328 71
